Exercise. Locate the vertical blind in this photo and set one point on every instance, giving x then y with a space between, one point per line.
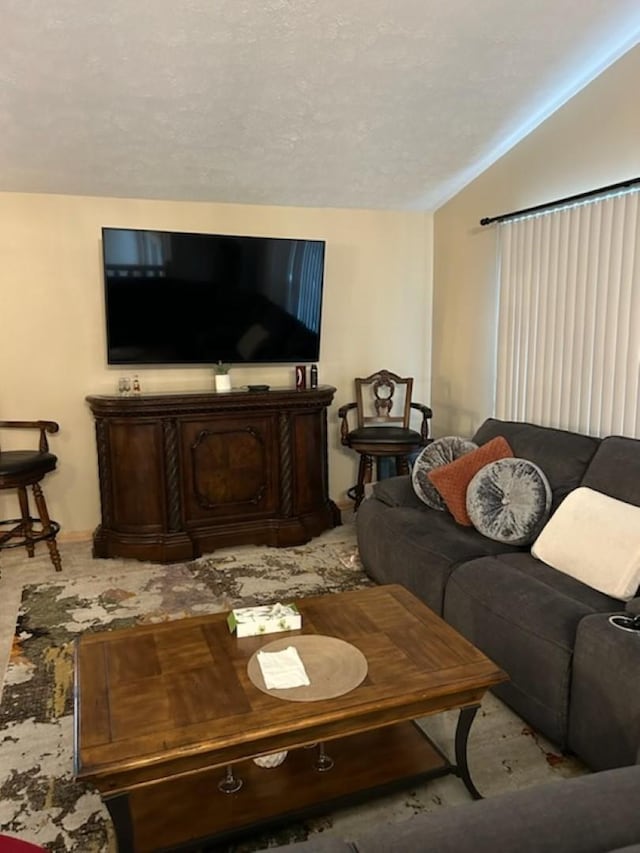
569 317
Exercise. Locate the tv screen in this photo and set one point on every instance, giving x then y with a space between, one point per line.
178 298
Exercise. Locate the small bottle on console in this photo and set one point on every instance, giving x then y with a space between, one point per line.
314 376
301 377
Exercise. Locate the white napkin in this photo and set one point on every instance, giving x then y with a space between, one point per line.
283 669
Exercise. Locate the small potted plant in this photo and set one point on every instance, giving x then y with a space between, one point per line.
222 380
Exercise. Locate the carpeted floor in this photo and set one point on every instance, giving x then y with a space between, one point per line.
39 799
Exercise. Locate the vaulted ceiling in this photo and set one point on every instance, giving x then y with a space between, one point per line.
327 103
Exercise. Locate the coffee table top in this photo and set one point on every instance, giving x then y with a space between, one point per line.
161 700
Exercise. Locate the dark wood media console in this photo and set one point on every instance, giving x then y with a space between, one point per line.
184 474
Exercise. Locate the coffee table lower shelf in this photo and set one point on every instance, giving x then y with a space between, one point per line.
190 812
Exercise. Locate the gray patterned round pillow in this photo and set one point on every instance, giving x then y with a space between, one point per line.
439 452
509 500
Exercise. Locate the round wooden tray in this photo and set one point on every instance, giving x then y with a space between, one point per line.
334 667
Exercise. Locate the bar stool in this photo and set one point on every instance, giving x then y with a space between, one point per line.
18 470
383 409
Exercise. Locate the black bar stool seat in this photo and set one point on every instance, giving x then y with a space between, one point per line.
30 464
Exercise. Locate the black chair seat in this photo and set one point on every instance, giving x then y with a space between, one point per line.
384 435
26 462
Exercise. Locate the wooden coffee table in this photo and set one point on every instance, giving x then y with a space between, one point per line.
161 710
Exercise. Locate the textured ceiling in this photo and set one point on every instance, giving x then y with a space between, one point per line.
370 103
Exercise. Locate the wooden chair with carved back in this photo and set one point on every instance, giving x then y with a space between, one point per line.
382 409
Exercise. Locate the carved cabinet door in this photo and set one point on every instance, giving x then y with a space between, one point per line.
230 467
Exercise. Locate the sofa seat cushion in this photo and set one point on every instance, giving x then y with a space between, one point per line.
595 539
563 456
525 622
416 547
593 599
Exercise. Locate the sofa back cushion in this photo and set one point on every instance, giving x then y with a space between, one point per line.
563 456
615 469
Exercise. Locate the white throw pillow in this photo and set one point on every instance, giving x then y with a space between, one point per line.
595 539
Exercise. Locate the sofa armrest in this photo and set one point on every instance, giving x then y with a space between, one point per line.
604 709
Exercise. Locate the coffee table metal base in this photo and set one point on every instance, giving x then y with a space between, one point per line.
189 812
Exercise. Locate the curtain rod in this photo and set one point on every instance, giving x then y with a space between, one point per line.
550 204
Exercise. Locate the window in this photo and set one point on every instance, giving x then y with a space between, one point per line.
568 351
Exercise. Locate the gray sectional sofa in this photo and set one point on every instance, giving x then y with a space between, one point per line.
573 676
591 814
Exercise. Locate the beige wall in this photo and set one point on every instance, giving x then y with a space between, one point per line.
376 313
378 288
592 141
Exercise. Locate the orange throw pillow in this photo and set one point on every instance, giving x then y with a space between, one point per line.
452 480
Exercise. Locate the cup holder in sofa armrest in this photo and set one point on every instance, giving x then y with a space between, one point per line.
626 622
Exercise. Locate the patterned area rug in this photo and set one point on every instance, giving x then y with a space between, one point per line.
39 799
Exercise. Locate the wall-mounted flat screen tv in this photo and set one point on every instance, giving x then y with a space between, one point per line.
178 298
